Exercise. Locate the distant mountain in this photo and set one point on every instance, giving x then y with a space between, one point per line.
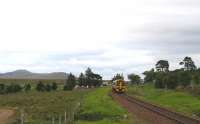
24 74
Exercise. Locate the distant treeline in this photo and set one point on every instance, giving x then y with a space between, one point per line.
14 87
31 81
88 79
187 76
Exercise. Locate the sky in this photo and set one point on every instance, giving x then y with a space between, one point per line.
110 36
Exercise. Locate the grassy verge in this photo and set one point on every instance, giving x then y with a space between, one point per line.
99 108
180 101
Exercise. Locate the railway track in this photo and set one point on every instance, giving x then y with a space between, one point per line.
171 115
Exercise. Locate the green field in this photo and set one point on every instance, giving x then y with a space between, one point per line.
99 108
180 101
93 106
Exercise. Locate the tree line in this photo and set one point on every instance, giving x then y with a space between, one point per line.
13 88
87 79
187 76
162 77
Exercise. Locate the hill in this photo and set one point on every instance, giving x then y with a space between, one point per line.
24 74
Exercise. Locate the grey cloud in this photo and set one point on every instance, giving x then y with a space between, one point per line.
175 37
78 55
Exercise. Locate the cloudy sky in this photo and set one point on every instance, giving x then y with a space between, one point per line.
110 36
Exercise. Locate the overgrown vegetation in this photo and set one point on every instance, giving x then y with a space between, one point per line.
188 76
40 107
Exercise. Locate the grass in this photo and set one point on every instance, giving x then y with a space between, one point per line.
180 101
100 108
97 107
39 107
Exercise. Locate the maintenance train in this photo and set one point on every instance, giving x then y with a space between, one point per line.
119 86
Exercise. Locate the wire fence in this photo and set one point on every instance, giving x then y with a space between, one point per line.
67 116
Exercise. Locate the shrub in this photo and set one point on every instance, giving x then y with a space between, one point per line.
48 88
40 87
2 88
54 86
27 87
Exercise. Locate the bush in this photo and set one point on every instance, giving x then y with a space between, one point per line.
27 87
160 80
13 88
184 78
2 88
54 86
48 88
171 81
40 87
71 82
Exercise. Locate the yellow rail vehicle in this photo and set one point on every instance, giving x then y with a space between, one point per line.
119 86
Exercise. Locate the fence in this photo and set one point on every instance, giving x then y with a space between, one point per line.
67 116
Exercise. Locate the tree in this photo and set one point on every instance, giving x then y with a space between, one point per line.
40 87
196 79
162 65
92 79
135 79
81 80
171 80
2 88
96 80
71 82
88 75
27 87
13 88
48 88
117 77
188 64
184 78
54 86
149 76
160 80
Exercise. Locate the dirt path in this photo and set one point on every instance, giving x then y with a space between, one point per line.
142 113
5 115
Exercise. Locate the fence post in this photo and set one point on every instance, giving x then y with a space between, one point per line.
65 118
53 120
22 116
59 119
